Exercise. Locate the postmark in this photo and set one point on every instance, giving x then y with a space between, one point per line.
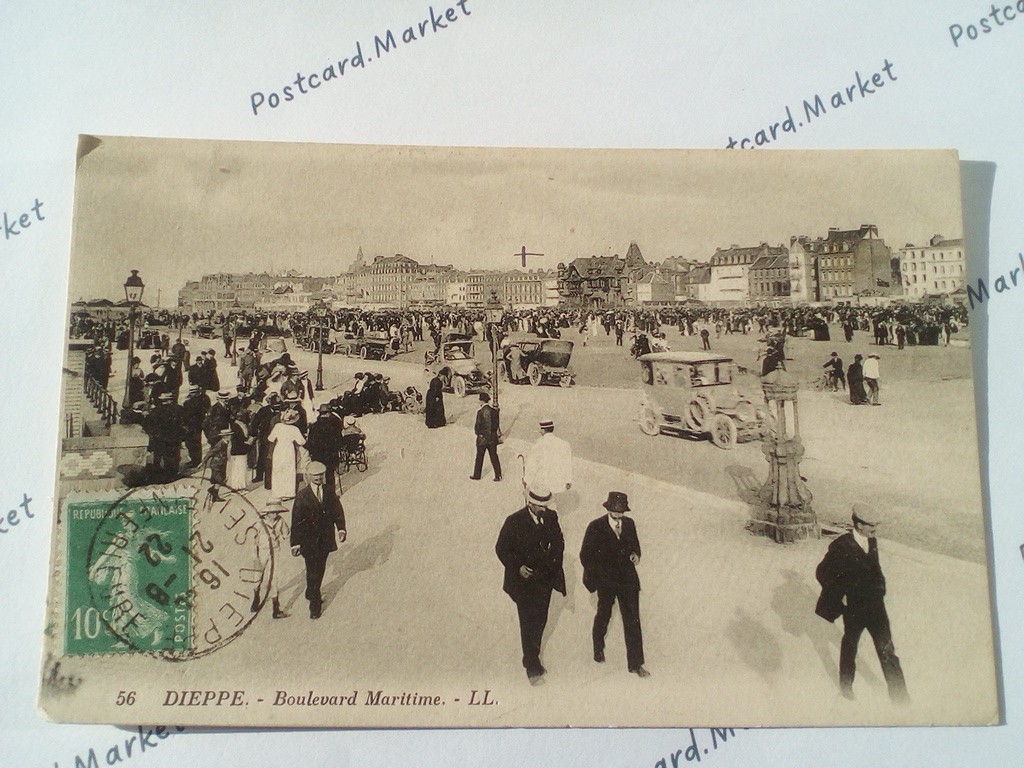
176 572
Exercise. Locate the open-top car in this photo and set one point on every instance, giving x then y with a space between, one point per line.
538 361
700 394
454 363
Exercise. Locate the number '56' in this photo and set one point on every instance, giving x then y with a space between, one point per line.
125 698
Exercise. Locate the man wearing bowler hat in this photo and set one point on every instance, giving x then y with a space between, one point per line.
610 553
852 586
530 546
316 514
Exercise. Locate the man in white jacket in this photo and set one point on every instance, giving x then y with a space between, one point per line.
549 464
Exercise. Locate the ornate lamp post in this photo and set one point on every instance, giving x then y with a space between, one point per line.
493 313
133 288
321 315
784 512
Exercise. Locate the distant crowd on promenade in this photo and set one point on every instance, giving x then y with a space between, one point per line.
157 329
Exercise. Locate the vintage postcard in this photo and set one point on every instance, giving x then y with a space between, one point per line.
377 436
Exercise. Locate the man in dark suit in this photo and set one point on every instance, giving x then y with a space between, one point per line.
853 586
323 442
196 406
486 429
316 514
530 546
610 553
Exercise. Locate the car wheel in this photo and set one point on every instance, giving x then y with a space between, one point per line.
535 374
364 352
566 381
649 421
697 414
459 385
723 432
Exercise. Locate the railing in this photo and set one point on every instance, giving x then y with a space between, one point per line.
101 400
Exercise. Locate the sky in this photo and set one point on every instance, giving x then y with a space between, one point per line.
178 209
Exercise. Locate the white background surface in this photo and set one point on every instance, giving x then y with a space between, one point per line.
589 74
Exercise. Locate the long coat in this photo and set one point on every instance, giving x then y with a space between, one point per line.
848 571
605 556
486 426
435 415
540 547
855 381
314 523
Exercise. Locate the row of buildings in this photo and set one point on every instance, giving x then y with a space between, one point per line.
841 265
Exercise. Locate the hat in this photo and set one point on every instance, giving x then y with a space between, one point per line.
484 397
875 356
862 513
834 354
617 502
315 468
290 417
539 496
194 388
273 504
858 357
223 395
547 424
350 421
324 408
166 396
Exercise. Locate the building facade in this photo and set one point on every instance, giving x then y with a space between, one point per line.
730 271
601 281
934 269
769 278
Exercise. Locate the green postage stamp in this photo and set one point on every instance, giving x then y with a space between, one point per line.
128 576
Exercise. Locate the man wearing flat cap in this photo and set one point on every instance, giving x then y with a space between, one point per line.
530 546
853 586
610 553
316 515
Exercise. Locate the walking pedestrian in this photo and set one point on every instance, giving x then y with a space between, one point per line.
853 586
530 546
610 554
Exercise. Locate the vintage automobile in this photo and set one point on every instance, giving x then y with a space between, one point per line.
375 345
699 394
205 331
541 361
453 362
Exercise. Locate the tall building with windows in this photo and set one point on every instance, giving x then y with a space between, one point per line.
730 270
842 264
934 269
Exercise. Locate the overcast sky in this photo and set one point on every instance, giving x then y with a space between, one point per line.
177 209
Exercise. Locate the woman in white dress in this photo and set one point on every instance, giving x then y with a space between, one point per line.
286 439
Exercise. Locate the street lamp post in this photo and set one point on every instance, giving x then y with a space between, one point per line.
133 288
322 316
784 512
493 314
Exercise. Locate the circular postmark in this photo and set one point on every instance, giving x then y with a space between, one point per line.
179 571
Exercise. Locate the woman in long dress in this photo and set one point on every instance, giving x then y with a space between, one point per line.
239 473
435 404
286 439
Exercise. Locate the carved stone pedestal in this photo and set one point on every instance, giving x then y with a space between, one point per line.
784 510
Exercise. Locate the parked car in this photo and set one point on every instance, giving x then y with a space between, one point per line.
454 363
541 361
372 346
700 394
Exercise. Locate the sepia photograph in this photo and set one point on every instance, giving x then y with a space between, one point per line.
408 436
